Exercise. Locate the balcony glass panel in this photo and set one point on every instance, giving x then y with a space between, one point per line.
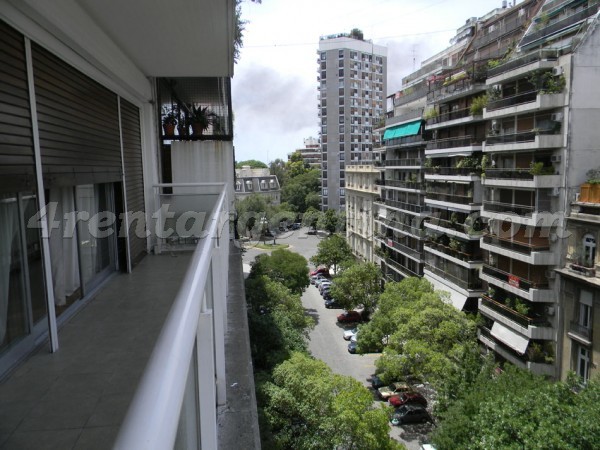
513 100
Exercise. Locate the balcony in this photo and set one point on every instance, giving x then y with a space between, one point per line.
462 257
522 103
534 291
403 163
451 118
453 228
571 21
455 90
526 140
519 178
532 327
418 233
406 117
403 270
580 333
468 283
452 173
534 215
404 249
405 185
134 344
405 141
407 207
452 200
453 146
537 366
519 67
535 253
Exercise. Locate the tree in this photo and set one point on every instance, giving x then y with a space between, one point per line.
277 168
298 188
253 163
329 221
358 286
252 212
288 268
516 409
311 218
331 251
310 407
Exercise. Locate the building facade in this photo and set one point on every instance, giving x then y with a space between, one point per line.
249 181
352 89
311 153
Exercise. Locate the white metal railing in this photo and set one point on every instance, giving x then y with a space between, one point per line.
189 352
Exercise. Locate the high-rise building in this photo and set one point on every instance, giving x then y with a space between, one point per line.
352 90
311 153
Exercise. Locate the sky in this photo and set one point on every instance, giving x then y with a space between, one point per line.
275 81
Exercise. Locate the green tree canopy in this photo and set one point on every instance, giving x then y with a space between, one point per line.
277 168
329 221
298 188
253 163
253 212
288 268
358 286
310 407
516 409
332 251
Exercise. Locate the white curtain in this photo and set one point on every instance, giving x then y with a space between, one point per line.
63 247
88 201
8 231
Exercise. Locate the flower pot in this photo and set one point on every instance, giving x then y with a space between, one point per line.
168 129
198 128
594 193
183 130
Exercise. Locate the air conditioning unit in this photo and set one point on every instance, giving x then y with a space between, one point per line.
492 259
495 125
550 310
555 192
555 158
557 71
556 117
550 274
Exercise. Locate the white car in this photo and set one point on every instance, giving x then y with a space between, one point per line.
349 334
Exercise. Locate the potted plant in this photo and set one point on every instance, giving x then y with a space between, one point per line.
169 120
590 190
200 118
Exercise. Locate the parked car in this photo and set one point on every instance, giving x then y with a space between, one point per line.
376 382
312 231
410 414
294 226
324 285
332 304
352 347
349 333
395 388
327 295
407 398
319 276
321 279
321 270
349 316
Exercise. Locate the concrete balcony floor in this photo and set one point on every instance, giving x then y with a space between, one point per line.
77 398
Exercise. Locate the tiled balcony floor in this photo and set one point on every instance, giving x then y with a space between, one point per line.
76 398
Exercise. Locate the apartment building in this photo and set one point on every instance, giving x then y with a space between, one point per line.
104 341
484 148
352 87
249 181
311 153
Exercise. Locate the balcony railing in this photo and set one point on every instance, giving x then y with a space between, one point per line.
504 29
460 227
467 256
407 206
583 331
513 100
523 61
167 403
401 268
450 198
451 115
513 280
548 30
463 141
525 248
401 247
404 184
468 282
511 208
414 114
406 140
409 162
452 171
403 227
461 86
407 98
509 174
511 314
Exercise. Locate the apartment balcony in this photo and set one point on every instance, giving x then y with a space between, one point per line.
525 102
452 173
405 117
403 163
519 178
507 352
534 215
531 327
400 247
454 229
408 186
467 259
522 66
534 291
468 283
453 146
452 200
456 90
568 23
130 361
534 253
401 269
526 140
415 232
451 118
580 333
405 141
410 208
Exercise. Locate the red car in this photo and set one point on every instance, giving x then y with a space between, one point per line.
349 316
406 398
321 270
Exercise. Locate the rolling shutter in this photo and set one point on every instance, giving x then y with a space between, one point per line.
134 176
17 167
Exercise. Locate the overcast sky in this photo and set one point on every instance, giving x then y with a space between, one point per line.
275 82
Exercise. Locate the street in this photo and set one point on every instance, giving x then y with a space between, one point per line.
326 339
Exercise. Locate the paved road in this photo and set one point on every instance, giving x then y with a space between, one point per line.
326 341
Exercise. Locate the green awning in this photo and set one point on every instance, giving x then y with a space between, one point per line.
406 129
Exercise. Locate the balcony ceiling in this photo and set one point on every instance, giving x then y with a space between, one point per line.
174 38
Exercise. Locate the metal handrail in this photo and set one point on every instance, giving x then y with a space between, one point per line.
153 416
